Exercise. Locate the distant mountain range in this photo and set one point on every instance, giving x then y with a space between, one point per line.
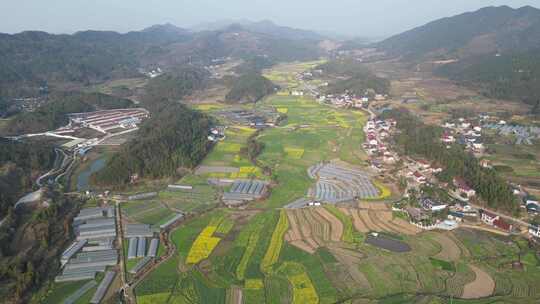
495 50
266 27
29 59
489 30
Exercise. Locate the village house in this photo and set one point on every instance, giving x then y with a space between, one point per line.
463 189
534 230
495 220
419 178
432 205
416 214
424 165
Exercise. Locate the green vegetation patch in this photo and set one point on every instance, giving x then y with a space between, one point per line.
443 265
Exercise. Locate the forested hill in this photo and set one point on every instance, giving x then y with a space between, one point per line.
486 31
54 113
19 163
174 85
83 57
266 27
250 87
29 60
354 77
513 76
174 138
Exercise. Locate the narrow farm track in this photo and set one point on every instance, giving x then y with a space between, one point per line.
449 250
482 286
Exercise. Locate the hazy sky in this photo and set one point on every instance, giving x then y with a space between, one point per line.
352 17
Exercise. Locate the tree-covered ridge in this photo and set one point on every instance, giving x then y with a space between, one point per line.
174 85
174 138
30 247
53 114
358 79
508 76
87 56
250 87
19 163
421 140
488 30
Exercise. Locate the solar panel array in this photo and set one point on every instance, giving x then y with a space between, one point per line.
138 230
80 292
103 287
132 248
140 265
339 184
141 247
154 245
245 190
177 217
524 135
93 252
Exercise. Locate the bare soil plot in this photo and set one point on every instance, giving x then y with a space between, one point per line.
383 220
371 226
482 286
215 169
305 229
358 223
320 226
373 206
450 251
296 237
336 227
405 227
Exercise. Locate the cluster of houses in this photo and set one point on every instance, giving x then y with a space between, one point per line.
525 135
348 100
464 132
377 134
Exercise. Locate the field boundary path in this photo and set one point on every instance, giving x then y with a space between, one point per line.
482 286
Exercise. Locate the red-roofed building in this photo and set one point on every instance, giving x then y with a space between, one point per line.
489 218
501 224
419 177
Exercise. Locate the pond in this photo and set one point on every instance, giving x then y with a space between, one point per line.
84 176
388 243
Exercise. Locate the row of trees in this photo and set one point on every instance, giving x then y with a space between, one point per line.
421 140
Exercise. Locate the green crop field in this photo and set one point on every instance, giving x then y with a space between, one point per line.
146 212
322 132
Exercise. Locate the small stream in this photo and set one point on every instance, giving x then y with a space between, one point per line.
84 177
